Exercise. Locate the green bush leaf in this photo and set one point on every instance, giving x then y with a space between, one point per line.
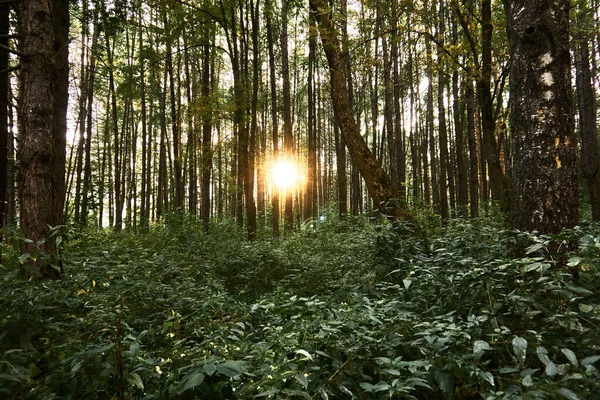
519 345
570 356
192 380
232 368
568 394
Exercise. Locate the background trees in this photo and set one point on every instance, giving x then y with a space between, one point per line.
186 107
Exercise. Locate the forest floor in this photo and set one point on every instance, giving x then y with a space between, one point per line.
345 309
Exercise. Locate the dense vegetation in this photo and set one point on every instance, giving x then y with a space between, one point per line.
344 309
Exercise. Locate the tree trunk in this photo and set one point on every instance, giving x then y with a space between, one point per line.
378 182
473 153
541 120
484 96
288 139
4 92
274 122
586 101
43 106
207 151
310 202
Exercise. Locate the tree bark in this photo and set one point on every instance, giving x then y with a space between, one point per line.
43 106
541 120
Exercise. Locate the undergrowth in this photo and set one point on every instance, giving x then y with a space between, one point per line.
347 309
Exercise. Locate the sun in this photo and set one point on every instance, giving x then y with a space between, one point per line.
284 174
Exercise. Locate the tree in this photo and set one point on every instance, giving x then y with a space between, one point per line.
42 117
586 102
377 181
545 191
4 92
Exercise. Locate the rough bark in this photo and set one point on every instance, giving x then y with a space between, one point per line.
42 117
545 192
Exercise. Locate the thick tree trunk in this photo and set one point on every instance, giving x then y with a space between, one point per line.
43 106
545 193
378 182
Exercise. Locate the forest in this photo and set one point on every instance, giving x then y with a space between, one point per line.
287 199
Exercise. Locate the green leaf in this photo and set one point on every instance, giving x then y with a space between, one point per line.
381 387
533 248
551 369
578 289
24 257
303 381
209 369
136 380
366 386
527 381
542 354
134 349
304 353
445 381
520 348
192 380
488 377
568 394
570 356
480 346
232 368
574 261
268 393
508 370
590 360
585 308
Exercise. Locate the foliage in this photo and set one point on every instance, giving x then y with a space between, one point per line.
348 309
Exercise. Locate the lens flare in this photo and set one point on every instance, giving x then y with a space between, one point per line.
284 174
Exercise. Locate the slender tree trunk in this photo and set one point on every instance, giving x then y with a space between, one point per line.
485 99
87 169
192 164
145 182
288 139
586 101
274 121
175 131
310 202
4 93
207 151
442 128
473 153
